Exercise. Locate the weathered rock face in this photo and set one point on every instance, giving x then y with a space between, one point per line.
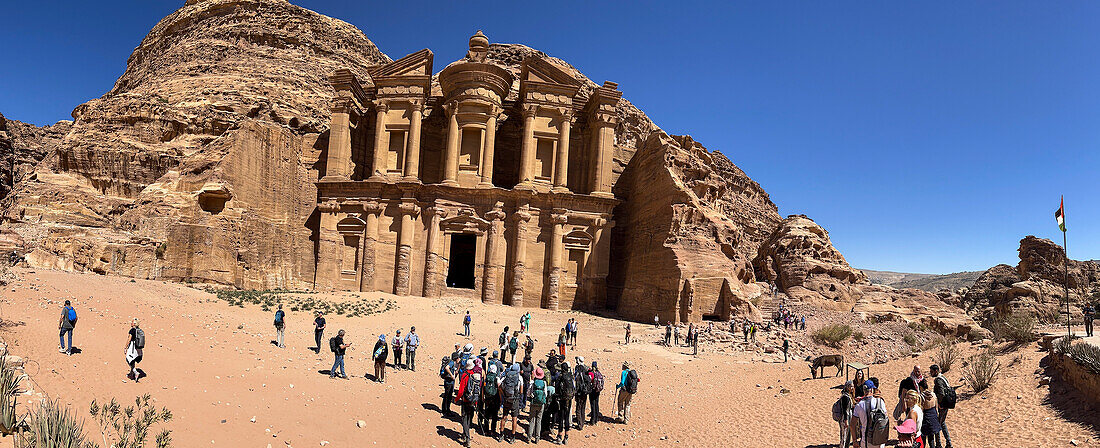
801 261
23 146
1035 286
199 163
685 234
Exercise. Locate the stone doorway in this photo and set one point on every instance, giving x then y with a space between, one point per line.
460 269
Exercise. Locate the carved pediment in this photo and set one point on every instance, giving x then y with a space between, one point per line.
465 222
415 64
540 70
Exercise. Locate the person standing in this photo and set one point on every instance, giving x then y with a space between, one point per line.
861 416
280 324
566 388
627 387
786 346
398 348
594 395
528 345
66 325
513 346
946 398
668 334
695 342
583 385
573 333
466 324
930 426
845 402
490 395
135 346
561 342
1089 314
502 342
511 398
412 342
526 371
319 329
656 322
538 394
468 394
627 340
339 347
448 372
379 355
676 335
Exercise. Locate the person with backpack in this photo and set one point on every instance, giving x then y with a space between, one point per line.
786 347
842 413
502 340
511 399
594 394
66 325
448 373
566 388
513 346
490 395
398 347
538 395
381 351
338 347
627 387
573 332
946 397
583 384
466 324
135 347
526 371
469 393
280 324
528 345
870 426
319 330
412 342
563 337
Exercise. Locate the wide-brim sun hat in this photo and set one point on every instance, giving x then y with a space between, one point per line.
909 426
539 374
468 347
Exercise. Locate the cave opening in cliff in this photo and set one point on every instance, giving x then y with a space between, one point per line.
460 270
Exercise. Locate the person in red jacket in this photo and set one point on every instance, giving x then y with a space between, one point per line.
469 378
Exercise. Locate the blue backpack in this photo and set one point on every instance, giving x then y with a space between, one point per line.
71 315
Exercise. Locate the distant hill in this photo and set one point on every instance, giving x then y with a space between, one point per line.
925 282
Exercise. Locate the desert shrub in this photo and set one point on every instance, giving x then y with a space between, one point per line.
858 335
910 339
1085 355
52 426
9 385
1063 344
918 326
982 370
1018 327
945 355
129 427
832 335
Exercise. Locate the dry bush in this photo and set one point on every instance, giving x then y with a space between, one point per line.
52 426
858 335
9 386
982 370
910 339
1017 327
1085 355
832 335
128 427
946 354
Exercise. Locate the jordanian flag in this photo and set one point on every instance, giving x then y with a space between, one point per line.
1060 215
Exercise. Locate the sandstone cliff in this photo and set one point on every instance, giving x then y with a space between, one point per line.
1035 285
685 235
199 163
23 146
801 261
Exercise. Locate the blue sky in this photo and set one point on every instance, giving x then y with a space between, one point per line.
925 136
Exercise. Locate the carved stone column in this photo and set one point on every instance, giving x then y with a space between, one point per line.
527 153
519 267
433 263
327 276
338 163
561 171
490 286
381 140
488 152
598 256
412 153
402 274
370 245
450 155
605 148
557 221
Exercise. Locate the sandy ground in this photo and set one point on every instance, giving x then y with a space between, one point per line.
215 367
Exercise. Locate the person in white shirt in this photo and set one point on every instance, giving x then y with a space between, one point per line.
867 403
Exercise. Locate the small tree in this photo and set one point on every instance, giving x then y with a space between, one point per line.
982 370
1017 327
129 427
946 354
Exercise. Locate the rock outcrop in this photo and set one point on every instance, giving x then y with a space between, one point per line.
686 233
1035 286
801 261
223 95
23 146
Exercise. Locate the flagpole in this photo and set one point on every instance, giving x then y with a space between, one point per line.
1069 318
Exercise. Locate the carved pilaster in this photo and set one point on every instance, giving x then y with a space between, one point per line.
402 273
519 267
371 210
412 153
381 138
561 171
338 162
527 153
450 155
433 264
494 266
557 222
487 153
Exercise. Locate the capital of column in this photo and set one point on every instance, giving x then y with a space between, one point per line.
559 217
567 114
329 206
530 111
342 104
409 208
381 106
416 106
496 214
372 207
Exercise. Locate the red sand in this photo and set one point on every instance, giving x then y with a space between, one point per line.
215 377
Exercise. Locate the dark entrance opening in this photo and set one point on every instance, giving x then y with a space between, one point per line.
460 272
